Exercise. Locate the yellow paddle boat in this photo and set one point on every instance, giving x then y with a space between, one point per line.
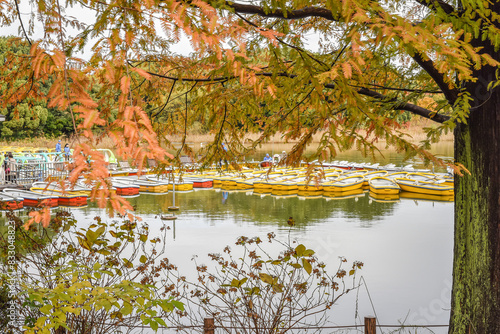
344 184
383 186
426 188
370 175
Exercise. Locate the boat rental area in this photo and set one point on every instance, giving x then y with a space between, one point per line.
37 177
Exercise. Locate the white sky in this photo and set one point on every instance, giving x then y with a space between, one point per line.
82 14
86 15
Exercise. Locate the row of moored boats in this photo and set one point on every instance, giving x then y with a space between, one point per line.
333 182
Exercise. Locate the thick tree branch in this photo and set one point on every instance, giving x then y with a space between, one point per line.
451 94
436 4
399 105
379 87
278 13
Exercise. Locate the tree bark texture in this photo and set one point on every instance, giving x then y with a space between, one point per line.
476 266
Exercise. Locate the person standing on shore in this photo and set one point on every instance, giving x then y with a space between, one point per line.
66 152
58 146
12 168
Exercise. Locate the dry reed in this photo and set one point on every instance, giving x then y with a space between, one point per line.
414 131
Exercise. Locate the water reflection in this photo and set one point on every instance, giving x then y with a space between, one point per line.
267 210
225 195
406 244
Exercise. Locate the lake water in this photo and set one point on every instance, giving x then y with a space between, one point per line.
406 245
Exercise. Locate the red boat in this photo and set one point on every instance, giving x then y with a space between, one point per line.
72 200
8 202
74 197
204 183
33 199
125 188
199 183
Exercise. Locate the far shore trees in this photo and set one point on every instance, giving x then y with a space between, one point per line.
29 117
256 69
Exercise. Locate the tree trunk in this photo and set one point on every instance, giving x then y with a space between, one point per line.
476 267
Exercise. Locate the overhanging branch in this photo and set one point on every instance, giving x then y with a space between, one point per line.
400 105
397 105
279 13
436 4
451 94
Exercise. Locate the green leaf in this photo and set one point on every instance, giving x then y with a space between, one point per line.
161 322
351 272
300 249
178 305
46 309
307 266
309 252
68 309
143 259
255 291
104 252
238 283
127 308
143 237
65 296
40 322
83 243
242 281
127 263
91 237
167 307
278 288
106 304
266 278
100 230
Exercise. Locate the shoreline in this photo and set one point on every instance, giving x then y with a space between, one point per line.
414 133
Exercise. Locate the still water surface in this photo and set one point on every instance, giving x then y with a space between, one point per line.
406 245
385 156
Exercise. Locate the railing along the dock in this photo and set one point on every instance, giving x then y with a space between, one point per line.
28 172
